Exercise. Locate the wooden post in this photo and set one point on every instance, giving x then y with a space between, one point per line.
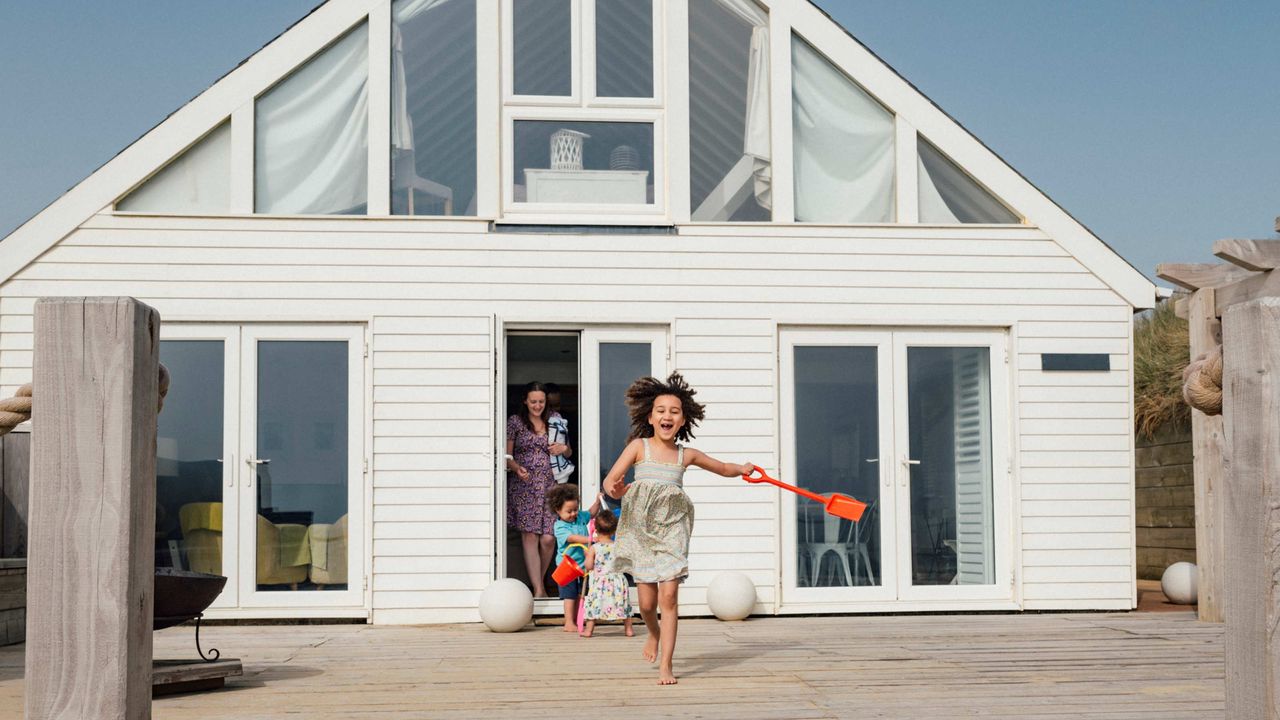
92 532
1206 438
1251 407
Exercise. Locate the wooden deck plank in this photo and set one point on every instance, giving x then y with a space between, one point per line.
1112 666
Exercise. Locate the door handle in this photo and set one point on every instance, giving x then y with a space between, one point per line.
906 466
252 463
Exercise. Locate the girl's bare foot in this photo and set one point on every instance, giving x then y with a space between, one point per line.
629 631
586 632
650 652
666 677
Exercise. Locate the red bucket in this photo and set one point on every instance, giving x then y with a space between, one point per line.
567 571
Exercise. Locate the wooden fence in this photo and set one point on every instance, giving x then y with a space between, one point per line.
1165 519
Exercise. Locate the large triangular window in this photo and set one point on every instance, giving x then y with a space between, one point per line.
948 194
197 182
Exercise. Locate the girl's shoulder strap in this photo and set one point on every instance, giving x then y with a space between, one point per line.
680 454
647 458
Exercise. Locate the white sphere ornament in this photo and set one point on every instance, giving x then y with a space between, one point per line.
1180 583
731 596
506 605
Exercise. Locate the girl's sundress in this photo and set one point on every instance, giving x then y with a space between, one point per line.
656 522
607 597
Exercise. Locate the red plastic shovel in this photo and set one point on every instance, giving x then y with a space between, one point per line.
837 504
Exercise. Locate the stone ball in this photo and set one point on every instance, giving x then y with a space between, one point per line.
506 605
731 596
1179 583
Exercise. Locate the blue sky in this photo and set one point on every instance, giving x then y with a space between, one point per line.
1155 123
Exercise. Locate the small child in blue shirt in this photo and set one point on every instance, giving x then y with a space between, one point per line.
570 528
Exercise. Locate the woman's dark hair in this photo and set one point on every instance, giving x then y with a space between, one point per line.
606 522
559 495
534 386
643 392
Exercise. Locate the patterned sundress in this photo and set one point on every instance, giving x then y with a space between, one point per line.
607 597
656 522
527 499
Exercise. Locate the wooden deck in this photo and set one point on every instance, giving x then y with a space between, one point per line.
1113 666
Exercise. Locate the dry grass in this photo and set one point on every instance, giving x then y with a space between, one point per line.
1160 354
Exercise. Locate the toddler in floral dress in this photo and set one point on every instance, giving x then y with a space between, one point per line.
607 597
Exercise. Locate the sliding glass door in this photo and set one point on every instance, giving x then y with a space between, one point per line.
913 424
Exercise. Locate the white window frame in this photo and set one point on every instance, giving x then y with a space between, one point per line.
582 105
596 213
588 51
509 96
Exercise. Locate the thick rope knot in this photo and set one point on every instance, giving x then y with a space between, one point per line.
1202 382
16 410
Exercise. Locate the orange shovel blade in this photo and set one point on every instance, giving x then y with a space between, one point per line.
846 507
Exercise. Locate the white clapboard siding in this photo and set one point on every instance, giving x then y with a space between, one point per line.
430 291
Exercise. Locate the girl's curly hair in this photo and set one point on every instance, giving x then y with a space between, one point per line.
643 392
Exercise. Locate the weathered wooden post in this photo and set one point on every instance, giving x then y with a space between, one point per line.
1251 406
1206 430
92 527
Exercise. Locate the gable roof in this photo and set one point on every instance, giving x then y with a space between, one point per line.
234 92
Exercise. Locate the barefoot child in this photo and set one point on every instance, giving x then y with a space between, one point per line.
607 597
657 516
570 528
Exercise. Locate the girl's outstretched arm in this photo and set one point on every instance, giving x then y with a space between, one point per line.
613 481
591 559
710 464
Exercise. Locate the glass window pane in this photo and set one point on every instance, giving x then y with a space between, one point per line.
197 182
949 416
543 52
302 477
620 365
844 164
837 450
189 464
949 195
624 48
433 108
729 147
311 144
583 162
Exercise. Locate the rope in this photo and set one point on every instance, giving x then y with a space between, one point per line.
1202 382
16 410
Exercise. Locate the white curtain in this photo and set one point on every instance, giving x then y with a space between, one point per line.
755 141
197 182
843 145
311 134
949 195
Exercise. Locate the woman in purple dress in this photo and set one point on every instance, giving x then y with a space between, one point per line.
528 479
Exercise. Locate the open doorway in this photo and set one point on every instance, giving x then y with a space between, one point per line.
550 358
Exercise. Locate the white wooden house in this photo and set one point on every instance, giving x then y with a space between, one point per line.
365 235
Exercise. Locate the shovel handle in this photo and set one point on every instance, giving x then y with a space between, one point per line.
764 477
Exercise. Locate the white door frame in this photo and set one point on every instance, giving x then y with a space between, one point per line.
895 585
1001 470
229 336
589 393
354 595
882 341
585 438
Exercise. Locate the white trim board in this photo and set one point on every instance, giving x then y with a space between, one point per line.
329 21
